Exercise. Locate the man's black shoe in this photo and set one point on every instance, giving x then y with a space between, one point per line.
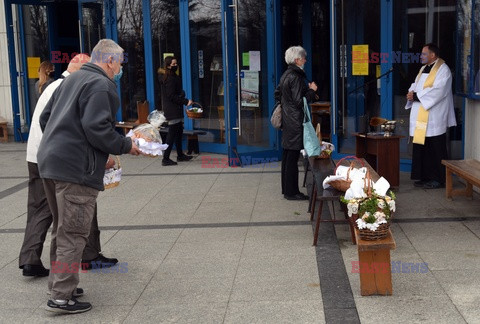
71 306
34 270
168 162
100 262
298 196
184 158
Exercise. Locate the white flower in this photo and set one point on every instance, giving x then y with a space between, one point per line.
373 227
365 216
381 204
352 208
391 205
379 216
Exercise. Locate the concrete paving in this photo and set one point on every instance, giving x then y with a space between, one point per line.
221 245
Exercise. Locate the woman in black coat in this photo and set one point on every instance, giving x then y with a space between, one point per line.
290 92
173 99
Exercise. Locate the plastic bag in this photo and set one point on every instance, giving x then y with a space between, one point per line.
148 132
156 118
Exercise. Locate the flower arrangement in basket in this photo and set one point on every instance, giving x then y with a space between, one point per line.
113 176
371 214
196 111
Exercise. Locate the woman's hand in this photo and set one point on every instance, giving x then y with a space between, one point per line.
190 102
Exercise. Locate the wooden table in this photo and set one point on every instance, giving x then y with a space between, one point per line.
382 153
321 113
126 126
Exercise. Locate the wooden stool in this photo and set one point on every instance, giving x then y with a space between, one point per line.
374 265
3 131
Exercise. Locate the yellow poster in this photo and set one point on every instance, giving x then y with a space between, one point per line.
33 63
359 59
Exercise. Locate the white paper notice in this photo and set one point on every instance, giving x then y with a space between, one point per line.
254 60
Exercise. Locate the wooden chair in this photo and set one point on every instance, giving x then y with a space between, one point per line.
3 130
142 111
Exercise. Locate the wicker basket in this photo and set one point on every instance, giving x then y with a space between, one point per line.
194 115
323 155
112 177
380 233
343 185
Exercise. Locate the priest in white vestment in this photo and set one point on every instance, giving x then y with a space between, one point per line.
432 112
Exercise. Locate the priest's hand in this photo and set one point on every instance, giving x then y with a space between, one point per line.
410 96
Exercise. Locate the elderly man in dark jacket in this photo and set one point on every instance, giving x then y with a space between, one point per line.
290 92
78 125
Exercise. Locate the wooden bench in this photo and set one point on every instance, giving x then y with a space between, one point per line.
469 170
321 168
374 266
192 138
374 263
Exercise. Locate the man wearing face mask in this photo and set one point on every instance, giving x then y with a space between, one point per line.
78 125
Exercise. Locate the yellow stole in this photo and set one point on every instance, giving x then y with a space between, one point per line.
422 117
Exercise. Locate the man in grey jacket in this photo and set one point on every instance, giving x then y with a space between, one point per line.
78 126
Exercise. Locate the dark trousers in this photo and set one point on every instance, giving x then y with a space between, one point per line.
175 133
290 172
427 159
39 219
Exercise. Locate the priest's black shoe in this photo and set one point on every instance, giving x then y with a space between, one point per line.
99 262
168 162
433 185
34 270
298 196
419 183
184 158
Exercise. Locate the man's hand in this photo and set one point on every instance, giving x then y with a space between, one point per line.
110 163
134 150
410 96
312 86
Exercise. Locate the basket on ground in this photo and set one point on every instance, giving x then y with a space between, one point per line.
112 176
196 111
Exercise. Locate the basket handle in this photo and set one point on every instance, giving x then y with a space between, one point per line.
197 104
119 165
367 183
348 157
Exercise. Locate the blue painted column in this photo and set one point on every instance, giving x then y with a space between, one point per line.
271 64
185 54
147 45
13 69
386 46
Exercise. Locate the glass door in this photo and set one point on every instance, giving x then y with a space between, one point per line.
357 95
29 45
249 57
91 23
